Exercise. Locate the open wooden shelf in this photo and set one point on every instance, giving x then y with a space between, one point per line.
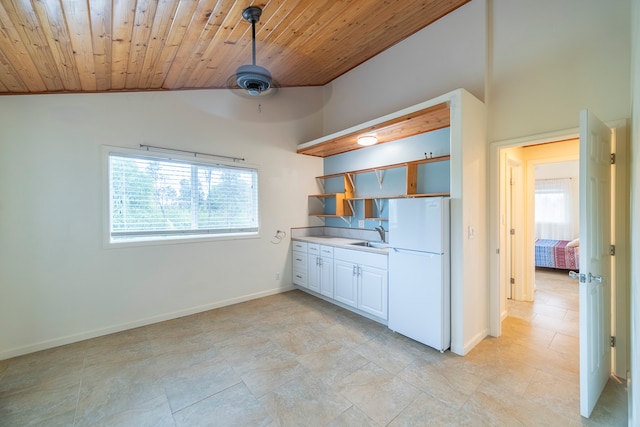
344 201
343 208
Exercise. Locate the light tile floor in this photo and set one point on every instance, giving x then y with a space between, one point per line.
292 359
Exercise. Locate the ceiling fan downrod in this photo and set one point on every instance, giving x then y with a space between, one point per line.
253 78
252 14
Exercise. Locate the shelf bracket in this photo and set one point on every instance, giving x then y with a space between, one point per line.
353 210
320 182
379 205
380 176
348 221
351 180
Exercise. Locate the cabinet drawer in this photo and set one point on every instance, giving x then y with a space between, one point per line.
313 248
300 278
299 246
299 261
361 257
326 251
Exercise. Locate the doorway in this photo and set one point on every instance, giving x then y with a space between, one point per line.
498 219
518 166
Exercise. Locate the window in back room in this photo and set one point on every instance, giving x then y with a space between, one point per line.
556 201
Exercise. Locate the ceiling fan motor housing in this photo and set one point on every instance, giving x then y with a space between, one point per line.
253 78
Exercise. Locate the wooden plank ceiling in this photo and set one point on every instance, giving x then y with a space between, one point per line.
426 120
57 46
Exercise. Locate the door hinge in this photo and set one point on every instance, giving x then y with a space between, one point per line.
512 281
612 250
612 341
612 158
512 231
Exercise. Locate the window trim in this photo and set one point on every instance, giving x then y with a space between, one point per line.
187 236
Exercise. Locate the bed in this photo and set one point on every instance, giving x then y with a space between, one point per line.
560 254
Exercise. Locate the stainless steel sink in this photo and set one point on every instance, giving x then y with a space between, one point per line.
377 245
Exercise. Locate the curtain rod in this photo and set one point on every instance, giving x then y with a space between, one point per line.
195 153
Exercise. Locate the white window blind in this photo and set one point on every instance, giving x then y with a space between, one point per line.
553 213
154 197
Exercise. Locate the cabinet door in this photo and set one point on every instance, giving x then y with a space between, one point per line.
313 278
326 276
373 291
345 283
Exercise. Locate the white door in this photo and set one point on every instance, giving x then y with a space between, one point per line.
595 260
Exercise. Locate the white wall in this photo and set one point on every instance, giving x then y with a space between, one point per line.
57 282
552 59
447 55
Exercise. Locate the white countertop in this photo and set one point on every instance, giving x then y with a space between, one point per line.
341 242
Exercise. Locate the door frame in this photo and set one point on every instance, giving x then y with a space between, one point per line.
514 200
496 189
621 274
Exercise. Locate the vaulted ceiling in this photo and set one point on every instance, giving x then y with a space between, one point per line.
57 46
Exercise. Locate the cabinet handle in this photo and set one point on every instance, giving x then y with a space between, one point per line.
355 272
320 262
298 259
359 271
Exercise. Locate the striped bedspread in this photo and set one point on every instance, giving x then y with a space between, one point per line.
556 254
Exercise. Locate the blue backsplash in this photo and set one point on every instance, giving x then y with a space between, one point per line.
433 177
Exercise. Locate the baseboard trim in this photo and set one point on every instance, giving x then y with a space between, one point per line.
69 339
470 344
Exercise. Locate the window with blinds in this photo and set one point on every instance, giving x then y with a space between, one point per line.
153 197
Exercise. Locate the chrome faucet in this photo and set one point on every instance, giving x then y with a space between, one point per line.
380 231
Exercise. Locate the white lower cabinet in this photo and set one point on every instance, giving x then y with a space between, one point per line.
320 269
354 278
299 263
321 275
361 281
326 276
372 291
345 283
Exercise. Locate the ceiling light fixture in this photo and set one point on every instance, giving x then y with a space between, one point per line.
367 140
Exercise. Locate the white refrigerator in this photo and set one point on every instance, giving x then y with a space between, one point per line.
419 277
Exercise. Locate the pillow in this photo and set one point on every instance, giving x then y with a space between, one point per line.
574 243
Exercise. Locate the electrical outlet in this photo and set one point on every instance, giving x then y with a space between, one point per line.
361 223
